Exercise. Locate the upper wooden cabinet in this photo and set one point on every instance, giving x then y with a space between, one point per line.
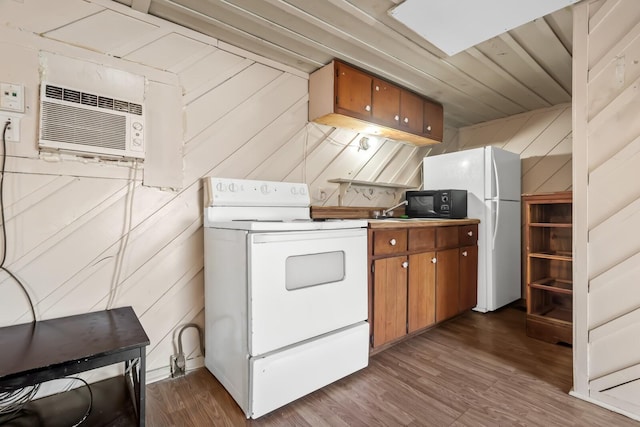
433 121
353 92
386 100
343 96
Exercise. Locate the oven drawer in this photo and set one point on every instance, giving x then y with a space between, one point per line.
286 375
389 241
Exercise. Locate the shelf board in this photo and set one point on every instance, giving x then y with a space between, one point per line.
553 285
370 183
111 405
551 224
556 314
346 183
560 256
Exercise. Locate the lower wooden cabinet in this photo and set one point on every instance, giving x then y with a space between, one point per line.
468 278
420 276
447 290
422 291
390 304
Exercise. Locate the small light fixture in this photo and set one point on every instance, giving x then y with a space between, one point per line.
363 144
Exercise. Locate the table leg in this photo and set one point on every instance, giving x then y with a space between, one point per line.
142 387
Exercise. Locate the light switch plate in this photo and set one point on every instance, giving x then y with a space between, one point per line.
12 97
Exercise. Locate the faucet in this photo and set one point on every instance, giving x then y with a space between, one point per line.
390 210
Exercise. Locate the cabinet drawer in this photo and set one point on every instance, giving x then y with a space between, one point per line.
447 237
389 242
422 238
468 234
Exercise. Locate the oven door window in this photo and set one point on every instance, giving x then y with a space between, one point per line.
303 271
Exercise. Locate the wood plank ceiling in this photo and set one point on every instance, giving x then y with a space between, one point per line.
521 70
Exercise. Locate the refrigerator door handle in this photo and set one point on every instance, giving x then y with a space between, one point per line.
495 176
495 223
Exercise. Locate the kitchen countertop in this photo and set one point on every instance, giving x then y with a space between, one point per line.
418 222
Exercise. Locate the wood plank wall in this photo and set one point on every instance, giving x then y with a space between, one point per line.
607 237
85 235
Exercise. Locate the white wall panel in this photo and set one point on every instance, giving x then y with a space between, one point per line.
163 136
165 52
104 31
225 136
621 167
606 264
268 140
620 333
616 290
213 105
210 71
39 17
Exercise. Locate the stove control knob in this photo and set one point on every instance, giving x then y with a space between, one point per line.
221 187
233 187
303 190
264 189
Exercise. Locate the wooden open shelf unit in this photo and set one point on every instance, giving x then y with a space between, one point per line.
548 267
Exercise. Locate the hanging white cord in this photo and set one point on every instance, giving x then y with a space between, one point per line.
113 294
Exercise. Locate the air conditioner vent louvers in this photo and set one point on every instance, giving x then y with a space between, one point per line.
77 126
135 109
54 92
89 99
121 106
71 95
104 102
96 124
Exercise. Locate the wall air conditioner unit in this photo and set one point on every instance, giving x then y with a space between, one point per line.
89 123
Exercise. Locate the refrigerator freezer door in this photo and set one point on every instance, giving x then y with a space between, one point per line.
502 248
463 170
502 166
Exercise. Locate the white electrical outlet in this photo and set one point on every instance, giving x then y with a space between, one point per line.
321 194
12 97
12 133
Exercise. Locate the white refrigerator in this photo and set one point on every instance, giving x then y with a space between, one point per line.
492 179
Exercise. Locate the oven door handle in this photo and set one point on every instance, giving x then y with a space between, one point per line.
299 236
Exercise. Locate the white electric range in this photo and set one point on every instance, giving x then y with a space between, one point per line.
285 296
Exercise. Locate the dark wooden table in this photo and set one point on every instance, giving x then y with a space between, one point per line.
33 353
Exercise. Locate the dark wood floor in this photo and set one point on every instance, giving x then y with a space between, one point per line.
476 370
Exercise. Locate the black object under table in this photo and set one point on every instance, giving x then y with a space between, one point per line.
33 353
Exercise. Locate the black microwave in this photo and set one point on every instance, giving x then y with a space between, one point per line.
437 204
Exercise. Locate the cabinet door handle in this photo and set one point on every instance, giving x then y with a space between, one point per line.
429 128
406 120
392 242
470 233
464 253
396 118
434 260
405 264
377 88
367 107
